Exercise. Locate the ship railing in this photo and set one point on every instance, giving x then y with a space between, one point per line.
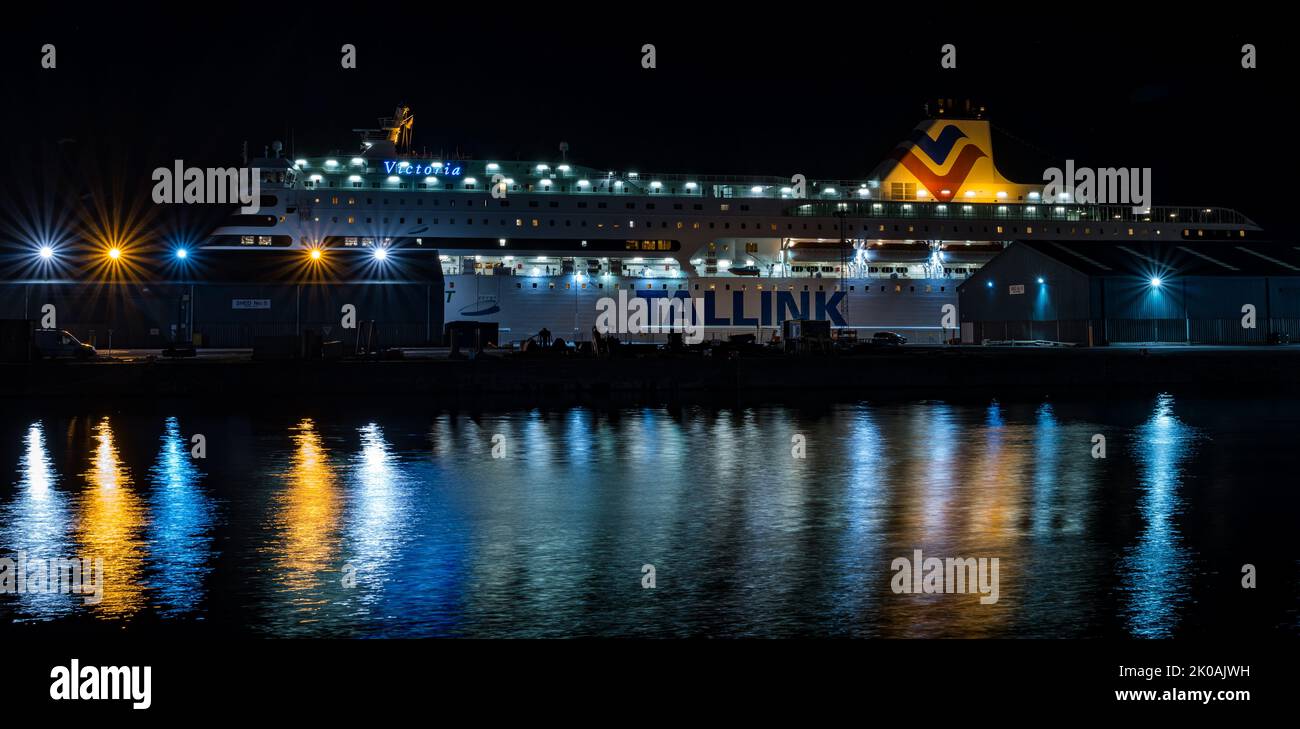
1024 212
648 185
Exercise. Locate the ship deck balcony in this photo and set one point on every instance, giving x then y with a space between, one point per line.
1025 212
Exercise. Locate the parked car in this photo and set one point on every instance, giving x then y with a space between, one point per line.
56 343
888 339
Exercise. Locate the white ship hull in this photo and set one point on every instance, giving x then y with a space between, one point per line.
568 306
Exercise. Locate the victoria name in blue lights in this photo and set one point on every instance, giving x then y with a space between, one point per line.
395 167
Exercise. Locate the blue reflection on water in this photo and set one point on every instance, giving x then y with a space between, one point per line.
865 516
1155 572
36 525
1047 453
180 531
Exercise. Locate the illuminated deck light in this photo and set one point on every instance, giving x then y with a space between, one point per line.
1155 282
300 162
756 189
563 168
182 254
357 178
493 166
46 252
471 181
114 253
380 253
583 183
315 178
315 254
331 163
357 161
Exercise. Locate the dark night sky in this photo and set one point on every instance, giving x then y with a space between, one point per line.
827 93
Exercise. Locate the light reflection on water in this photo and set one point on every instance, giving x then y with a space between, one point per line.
180 532
1156 568
36 524
304 528
110 524
404 525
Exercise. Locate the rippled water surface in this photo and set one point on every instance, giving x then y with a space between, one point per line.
540 523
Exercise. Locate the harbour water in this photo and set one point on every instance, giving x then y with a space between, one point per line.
753 521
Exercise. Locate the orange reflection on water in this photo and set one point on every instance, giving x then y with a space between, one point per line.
969 487
110 527
307 519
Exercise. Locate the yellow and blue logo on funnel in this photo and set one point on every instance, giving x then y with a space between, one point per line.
947 160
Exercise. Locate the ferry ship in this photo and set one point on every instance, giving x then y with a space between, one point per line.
533 245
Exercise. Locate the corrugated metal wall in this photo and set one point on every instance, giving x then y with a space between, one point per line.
1093 332
150 315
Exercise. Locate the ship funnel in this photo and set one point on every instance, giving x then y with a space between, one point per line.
949 158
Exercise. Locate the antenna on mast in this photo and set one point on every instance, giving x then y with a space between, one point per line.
564 151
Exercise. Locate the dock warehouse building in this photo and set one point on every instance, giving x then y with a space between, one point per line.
1197 292
147 298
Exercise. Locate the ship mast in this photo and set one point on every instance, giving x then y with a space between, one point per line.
394 135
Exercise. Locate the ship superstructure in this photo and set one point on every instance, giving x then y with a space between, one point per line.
533 244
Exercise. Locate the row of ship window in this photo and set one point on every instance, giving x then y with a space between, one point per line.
898 288
679 225
269 201
335 200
